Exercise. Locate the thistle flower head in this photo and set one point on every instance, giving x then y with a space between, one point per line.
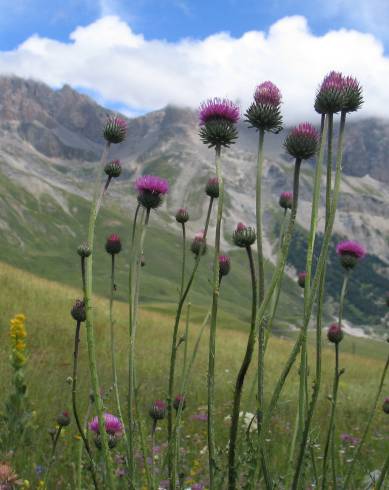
335 333
84 250
113 168
212 188
338 92
182 215
286 200
63 419
301 279
385 406
113 245
350 253
264 113
158 410
217 118
267 93
244 236
224 265
352 94
218 109
302 141
151 189
8 478
199 244
112 425
78 311
115 129
178 401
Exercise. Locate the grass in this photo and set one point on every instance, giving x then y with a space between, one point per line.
50 345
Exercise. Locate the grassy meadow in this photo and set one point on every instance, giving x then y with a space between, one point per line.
50 329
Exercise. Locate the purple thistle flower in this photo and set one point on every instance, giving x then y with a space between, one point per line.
240 227
182 215
113 244
332 81
201 416
385 406
179 400
335 333
158 410
301 279
216 108
350 247
153 184
113 426
349 439
305 130
224 265
301 143
268 94
115 129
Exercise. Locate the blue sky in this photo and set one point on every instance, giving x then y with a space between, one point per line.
175 19
139 55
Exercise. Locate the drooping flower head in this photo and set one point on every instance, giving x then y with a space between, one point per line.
112 424
113 245
212 188
113 169
182 215
335 333
338 92
178 401
158 410
301 143
151 189
301 276
224 265
265 112
217 118
78 311
244 236
286 200
350 253
385 406
199 244
115 129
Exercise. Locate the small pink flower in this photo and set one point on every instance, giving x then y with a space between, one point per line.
350 247
217 108
152 184
112 424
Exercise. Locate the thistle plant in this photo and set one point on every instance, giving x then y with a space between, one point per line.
217 129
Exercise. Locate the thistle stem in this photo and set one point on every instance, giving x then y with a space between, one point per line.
330 118
89 321
212 333
52 456
337 374
74 403
364 435
261 269
173 356
183 259
232 472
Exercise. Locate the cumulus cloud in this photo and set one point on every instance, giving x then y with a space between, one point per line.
122 67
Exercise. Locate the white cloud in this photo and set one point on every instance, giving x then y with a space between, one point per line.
108 58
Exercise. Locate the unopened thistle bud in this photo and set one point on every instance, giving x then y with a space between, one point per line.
113 168
244 236
179 400
182 215
352 94
302 141
78 311
301 279
212 188
63 419
84 250
329 97
335 333
217 122
224 265
158 410
286 200
350 253
199 244
115 129
113 244
385 406
264 113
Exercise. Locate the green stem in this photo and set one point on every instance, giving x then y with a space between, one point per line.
52 456
383 474
131 421
183 259
74 403
366 431
153 429
173 355
89 321
232 471
212 333
330 118
261 268
331 429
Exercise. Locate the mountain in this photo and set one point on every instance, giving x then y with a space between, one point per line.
50 141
